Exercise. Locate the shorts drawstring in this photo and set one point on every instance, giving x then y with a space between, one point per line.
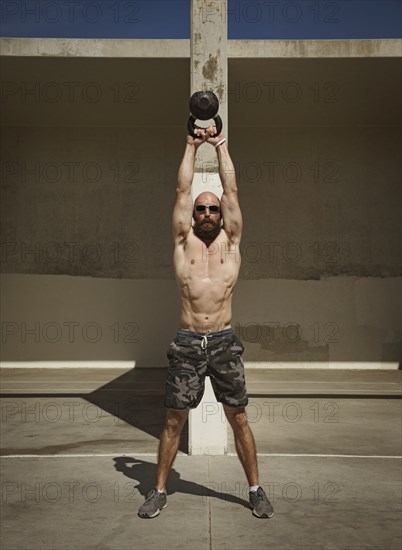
204 341
184 333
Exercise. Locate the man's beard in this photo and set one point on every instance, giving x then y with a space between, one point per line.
207 231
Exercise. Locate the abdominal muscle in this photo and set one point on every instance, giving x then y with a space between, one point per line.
206 278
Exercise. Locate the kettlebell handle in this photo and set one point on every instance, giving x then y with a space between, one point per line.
191 126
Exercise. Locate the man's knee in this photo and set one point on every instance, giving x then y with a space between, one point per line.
237 417
175 420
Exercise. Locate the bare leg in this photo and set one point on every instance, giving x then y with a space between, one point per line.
169 444
245 444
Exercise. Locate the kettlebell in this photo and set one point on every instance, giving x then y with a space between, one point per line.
203 106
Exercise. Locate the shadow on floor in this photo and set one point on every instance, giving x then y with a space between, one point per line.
145 473
137 400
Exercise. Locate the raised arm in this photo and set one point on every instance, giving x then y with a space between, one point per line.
183 208
231 213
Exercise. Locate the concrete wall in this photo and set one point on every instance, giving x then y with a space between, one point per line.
90 152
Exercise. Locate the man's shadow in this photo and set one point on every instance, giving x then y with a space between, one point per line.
145 473
137 398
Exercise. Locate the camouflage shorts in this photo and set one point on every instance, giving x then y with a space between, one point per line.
192 356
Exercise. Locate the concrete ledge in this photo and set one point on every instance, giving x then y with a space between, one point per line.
314 48
143 382
120 48
117 366
85 47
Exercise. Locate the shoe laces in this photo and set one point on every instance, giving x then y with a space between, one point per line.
151 494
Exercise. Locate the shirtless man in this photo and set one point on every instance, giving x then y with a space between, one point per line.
207 263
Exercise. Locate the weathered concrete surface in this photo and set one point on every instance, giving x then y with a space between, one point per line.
354 230
139 382
321 154
106 422
331 425
72 501
209 67
88 188
88 503
62 47
117 487
102 422
90 47
330 504
56 411
209 72
81 320
314 48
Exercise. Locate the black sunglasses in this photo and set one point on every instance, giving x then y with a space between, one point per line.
211 207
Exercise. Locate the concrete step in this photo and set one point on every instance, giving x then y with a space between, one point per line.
53 411
121 423
151 381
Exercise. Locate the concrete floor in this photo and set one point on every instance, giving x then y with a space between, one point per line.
76 466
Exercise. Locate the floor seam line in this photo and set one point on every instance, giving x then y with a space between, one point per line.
129 453
209 507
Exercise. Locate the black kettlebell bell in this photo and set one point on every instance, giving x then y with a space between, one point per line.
203 106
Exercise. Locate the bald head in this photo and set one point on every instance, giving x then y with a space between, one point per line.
207 197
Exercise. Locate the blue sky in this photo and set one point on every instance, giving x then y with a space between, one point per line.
248 19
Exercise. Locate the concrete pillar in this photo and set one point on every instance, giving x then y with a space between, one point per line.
209 66
207 425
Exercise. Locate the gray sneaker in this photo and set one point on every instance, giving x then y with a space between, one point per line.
262 508
154 503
